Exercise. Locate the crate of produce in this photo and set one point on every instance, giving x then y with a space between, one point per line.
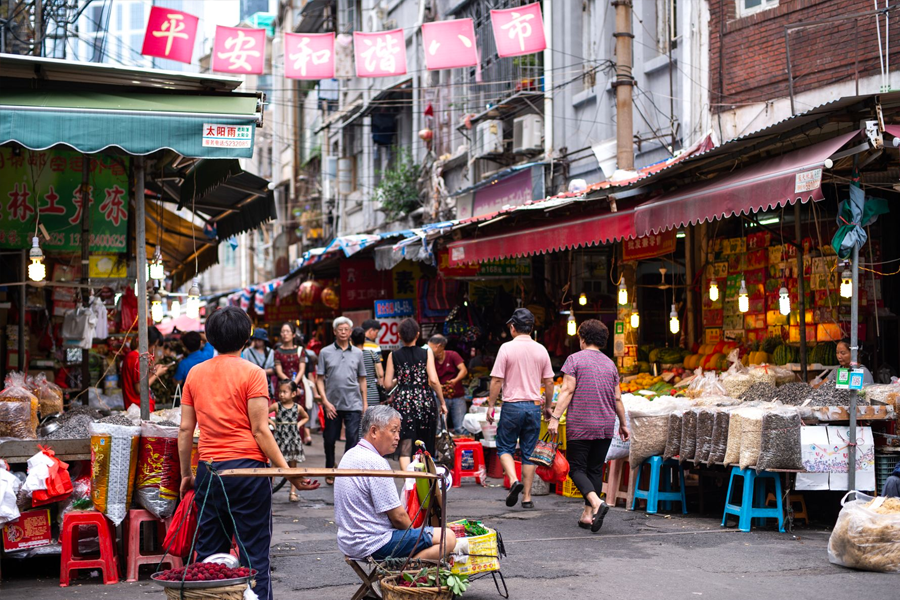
568 489
480 554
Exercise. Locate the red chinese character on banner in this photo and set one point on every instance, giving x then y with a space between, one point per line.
116 167
170 34
210 131
37 159
52 208
58 164
113 206
76 200
220 132
75 164
17 162
18 207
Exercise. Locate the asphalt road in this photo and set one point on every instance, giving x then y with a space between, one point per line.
635 556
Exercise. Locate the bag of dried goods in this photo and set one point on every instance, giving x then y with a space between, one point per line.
673 437
733 447
49 395
689 434
18 409
158 470
867 534
719 444
782 375
705 422
737 378
650 427
113 460
706 384
780 441
761 391
763 373
888 394
751 436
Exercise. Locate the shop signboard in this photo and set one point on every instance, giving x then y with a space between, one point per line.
47 184
649 246
386 309
390 313
517 189
362 283
284 310
30 530
504 267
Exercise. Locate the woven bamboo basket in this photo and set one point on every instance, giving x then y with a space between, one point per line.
391 591
230 592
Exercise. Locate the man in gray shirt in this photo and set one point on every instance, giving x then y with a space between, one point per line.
341 381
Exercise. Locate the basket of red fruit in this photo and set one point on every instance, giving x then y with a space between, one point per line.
205 581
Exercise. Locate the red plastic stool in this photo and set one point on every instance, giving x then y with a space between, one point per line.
506 482
135 558
72 560
478 468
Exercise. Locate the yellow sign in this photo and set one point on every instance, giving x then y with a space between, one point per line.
104 266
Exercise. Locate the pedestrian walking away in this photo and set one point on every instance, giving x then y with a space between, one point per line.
227 398
411 370
522 366
342 385
590 392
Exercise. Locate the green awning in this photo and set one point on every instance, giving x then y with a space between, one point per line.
193 125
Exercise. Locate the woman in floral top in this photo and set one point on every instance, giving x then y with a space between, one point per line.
412 370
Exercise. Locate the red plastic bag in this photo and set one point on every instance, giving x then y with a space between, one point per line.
58 482
413 507
556 473
184 523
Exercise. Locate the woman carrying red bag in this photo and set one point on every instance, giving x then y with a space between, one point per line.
590 391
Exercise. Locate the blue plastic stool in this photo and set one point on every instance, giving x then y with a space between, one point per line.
753 499
660 472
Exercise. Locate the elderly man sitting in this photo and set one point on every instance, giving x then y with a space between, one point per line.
370 519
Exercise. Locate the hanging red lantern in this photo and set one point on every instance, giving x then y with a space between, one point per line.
309 293
426 134
331 298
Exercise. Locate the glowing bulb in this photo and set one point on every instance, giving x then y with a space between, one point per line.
674 325
623 294
784 302
192 309
36 270
582 299
156 268
156 308
175 309
635 317
846 284
743 298
713 290
571 325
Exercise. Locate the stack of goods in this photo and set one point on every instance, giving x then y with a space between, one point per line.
828 395
689 434
793 394
49 395
705 424
719 444
780 440
673 437
159 473
18 409
761 391
650 426
114 453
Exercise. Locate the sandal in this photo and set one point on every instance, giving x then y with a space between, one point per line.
527 504
329 480
513 497
294 497
584 525
597 521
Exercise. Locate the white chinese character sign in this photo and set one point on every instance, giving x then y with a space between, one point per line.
170 34
381 54
519 31
449 44
239 50
309 56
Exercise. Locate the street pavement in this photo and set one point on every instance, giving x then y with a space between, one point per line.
636 556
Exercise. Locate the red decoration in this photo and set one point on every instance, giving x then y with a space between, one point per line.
170 34
310 292
331 298
426 134
239 50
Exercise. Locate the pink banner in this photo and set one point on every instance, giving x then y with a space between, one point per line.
309 56
239 50
381 54
519 30
170 34
450 44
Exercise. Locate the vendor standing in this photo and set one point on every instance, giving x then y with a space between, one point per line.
844 362
451 370
228 397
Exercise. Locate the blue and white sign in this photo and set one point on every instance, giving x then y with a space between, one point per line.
386 309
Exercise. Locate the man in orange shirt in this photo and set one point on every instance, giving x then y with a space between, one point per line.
228 397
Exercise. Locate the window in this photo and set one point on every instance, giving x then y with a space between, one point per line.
667 24
95 19
749 7
137 15
119 10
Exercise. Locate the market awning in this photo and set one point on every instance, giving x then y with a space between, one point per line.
178 238
562 235
193 125
773 183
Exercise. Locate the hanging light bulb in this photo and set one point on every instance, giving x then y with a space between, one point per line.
623 293
156 308
571 325
784 301
635 317
743 298
674 325
192 309
582 299
175 309
846 283
156 268
36 270
713 290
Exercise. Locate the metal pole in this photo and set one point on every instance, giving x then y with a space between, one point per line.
141 267
801 291
85 259
23 298
854 357
38 27
623 84
690 292
787 56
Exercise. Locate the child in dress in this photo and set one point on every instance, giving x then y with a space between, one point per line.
290 417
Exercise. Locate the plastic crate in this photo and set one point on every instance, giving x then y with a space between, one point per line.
481 554
885 463
568 489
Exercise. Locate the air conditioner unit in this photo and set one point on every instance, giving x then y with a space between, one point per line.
489 138
528 132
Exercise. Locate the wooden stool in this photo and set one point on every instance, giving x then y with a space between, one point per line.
134 557
616 486
71 559
792 499
369 579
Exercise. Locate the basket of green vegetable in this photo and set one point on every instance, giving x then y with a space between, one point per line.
429 583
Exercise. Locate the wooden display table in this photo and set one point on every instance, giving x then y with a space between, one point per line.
19 451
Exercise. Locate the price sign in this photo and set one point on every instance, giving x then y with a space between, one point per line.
389 334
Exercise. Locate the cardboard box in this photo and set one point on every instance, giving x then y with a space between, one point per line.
30 530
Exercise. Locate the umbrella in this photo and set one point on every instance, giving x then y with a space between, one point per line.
853 215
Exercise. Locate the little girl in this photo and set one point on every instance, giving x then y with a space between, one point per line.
290 417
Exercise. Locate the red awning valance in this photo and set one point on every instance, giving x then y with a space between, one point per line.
766 185
562 235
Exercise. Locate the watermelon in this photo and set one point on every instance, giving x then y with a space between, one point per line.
770 344
654 355
643 367
670 356
785 354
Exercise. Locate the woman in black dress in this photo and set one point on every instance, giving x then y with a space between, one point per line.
412 370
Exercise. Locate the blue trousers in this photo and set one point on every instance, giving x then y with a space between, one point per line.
250 501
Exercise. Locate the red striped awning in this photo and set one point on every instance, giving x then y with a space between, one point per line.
766 185
562 235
